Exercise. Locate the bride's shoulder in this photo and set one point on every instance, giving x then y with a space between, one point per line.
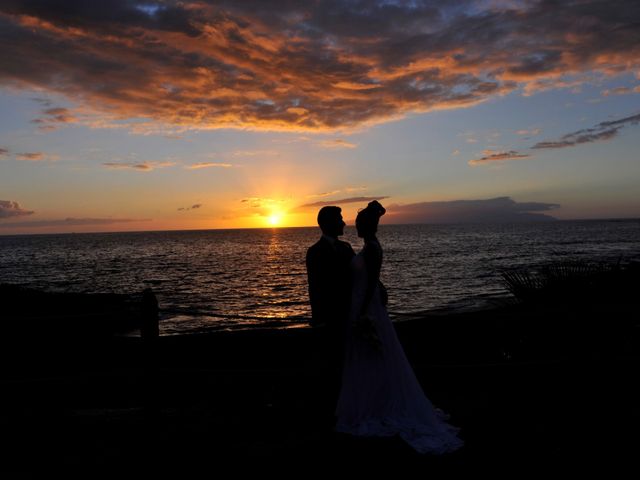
373 247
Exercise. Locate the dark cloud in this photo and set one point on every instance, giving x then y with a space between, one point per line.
571 140
192 207
492 156
4 152
341 201
602 131
10 209
631 120
502 209
305 65
72 222
103 16
43 101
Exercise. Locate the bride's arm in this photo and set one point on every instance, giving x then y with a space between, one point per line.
358 290
373 263
361 323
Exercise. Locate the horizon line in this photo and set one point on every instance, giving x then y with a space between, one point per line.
552 220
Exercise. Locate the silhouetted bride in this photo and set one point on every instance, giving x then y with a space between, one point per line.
380 395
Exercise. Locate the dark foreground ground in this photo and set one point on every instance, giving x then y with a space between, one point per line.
530 389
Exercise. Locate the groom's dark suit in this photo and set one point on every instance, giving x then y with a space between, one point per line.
329 283
330 294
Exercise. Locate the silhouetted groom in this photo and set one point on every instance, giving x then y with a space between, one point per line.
330 291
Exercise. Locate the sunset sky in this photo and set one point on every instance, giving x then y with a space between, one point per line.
153 115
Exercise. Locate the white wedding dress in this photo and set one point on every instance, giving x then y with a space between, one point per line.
380 395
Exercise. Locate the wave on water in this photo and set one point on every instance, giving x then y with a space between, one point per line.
231 279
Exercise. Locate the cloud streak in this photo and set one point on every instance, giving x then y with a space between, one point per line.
340 201
601 132
31 156
71 222
533 132
314 66
620 91
192 207
491 156
141 167
260 202
197 166
28 156
337 143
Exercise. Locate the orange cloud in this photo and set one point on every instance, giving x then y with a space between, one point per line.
255 153
305 66
260 202
337 143
142 167
31 156
54 117
196 166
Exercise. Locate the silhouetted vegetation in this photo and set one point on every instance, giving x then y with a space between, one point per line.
577 283
583 310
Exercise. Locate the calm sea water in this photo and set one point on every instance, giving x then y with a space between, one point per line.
257 278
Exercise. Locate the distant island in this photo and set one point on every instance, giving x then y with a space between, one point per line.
493 210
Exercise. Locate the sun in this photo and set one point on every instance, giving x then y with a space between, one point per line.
275 219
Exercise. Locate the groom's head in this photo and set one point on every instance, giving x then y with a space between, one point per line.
330 221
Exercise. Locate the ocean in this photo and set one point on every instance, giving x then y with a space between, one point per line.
256 278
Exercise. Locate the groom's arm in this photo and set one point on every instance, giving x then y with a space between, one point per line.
317 289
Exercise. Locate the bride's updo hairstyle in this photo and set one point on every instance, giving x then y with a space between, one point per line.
368 218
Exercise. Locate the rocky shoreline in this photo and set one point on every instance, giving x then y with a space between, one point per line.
527 383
